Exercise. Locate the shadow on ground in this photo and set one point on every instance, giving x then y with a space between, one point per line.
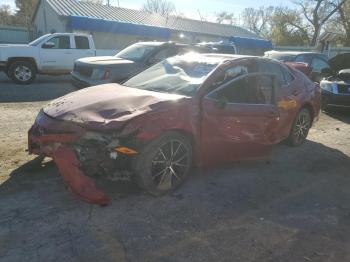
341 114
295 208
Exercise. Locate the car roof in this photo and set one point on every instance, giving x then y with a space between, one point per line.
157 43
294 52
222 57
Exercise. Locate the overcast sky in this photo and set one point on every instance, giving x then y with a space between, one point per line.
190 8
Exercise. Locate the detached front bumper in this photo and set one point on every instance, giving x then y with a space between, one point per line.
77 155
57 146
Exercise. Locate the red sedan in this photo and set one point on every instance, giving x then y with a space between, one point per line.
191 110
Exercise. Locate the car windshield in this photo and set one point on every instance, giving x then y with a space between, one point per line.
178 75
282 57
38 40
136 52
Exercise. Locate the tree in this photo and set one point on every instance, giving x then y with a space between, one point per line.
25 11
258 20
344 19
287 27
317 13
162 7
6 17
225 18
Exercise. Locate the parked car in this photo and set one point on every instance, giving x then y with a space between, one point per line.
335 86
219 47
196 109
317 61
92 71
51 54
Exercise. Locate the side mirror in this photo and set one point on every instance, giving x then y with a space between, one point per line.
48 45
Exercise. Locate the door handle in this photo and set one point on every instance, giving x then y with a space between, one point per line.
68 53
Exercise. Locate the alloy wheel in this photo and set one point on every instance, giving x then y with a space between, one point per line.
302 127
170 164
23 73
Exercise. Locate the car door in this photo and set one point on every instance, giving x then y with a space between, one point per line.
239 119
288 92
81 47
56 55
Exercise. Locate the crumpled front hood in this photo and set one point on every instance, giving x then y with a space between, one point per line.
107 106
339 62
104 60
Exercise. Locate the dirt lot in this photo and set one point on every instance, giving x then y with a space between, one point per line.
294 208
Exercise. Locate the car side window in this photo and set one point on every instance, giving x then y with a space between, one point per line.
300 58
81 42
318 65
273 68
250 89
60 42
288 77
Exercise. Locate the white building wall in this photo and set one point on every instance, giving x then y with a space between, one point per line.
47 21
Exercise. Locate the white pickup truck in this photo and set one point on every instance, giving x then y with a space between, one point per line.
51 54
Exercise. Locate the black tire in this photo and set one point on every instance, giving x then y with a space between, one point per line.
300 128
164 164
22 72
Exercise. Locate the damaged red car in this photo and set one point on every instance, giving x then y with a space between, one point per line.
193 110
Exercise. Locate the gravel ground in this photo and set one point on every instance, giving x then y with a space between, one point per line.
294 208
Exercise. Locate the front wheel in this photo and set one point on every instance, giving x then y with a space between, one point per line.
164 163
301 127
22 72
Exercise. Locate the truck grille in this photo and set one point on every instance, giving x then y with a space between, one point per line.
343 89
84 71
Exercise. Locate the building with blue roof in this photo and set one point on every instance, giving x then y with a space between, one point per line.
115 28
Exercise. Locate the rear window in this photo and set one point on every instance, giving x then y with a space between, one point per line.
81 42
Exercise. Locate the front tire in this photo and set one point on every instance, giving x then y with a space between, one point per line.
301 127
22 72
164 163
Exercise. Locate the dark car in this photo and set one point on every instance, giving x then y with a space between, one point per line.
336 85
316 61
219 47
92 71
196 109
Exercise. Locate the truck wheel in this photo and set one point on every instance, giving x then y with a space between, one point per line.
164 163
22 72
300 128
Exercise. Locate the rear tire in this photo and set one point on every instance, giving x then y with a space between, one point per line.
164 163
300 128
22 72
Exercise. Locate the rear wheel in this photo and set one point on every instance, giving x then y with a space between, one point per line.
164 163
301 127
22 72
